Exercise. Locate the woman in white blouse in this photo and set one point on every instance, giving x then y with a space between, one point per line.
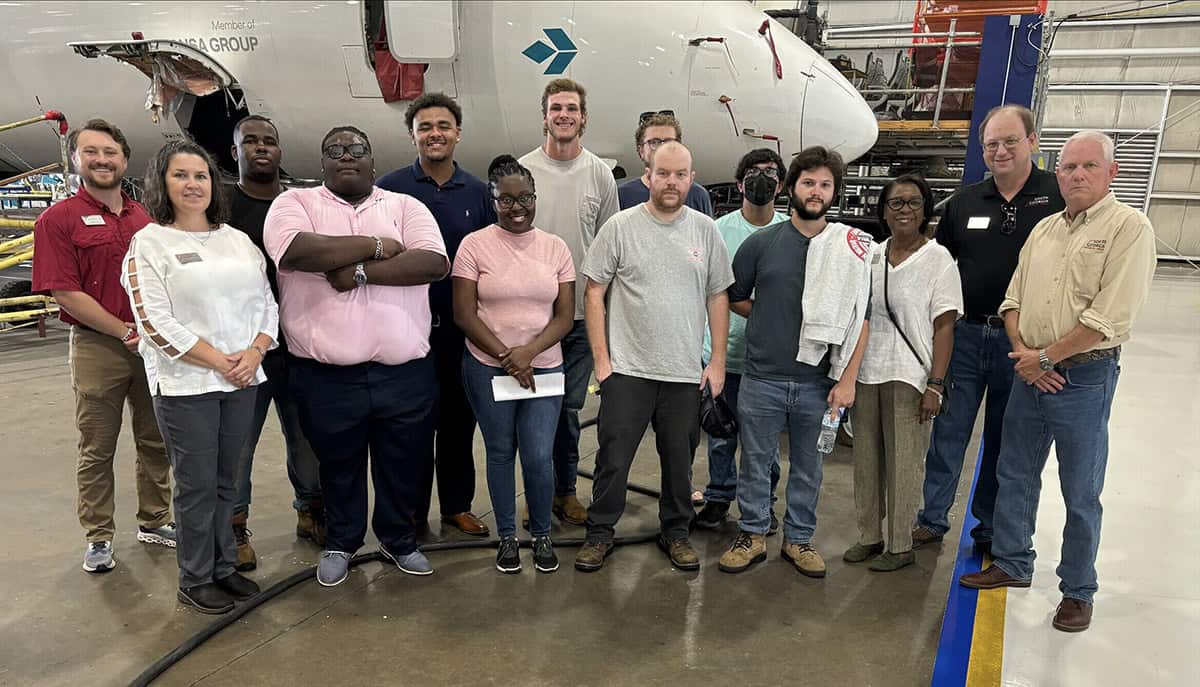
206 318
916 296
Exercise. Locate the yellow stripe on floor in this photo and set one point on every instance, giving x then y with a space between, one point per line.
987 639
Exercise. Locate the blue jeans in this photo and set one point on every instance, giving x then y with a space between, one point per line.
765 409
577 364
980 362
722 454
1075 420
508 426
302 468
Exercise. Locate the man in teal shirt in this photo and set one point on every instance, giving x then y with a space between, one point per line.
759 177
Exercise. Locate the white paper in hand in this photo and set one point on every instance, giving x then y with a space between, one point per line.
507 388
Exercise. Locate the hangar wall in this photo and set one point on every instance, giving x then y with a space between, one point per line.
1126 95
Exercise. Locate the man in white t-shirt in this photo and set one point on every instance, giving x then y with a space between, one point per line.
576 195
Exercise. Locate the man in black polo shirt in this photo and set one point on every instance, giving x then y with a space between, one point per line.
256 149
461 204
984 227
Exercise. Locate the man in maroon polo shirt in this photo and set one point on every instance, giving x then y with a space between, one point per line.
79 244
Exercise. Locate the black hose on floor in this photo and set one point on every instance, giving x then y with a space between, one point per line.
192 643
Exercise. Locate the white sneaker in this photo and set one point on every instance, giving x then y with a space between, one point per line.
99 557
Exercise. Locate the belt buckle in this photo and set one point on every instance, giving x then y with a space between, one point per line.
995 321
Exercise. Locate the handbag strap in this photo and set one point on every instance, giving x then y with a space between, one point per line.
887 304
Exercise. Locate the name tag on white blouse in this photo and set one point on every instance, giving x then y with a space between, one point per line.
185 258
978 222
93 220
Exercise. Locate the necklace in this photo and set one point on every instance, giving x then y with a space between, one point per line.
196 234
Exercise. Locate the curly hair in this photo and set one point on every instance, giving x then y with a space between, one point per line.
156 200
432 100
757 157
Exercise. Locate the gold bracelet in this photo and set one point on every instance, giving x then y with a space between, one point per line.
261 351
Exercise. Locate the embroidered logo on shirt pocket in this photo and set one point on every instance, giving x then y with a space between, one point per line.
1086 269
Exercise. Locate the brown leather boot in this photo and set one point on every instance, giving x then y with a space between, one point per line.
570 510
246 558
310 524
1073 615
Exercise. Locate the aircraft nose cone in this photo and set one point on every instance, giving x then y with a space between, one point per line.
836 116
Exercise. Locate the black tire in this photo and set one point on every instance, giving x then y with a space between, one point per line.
16 289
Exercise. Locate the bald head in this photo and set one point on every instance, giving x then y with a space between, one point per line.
670 177
672 154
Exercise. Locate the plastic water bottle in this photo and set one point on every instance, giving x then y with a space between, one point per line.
829 430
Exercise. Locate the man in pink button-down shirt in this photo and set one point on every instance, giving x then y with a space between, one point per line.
354 264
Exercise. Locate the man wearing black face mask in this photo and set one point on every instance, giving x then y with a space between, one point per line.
760 179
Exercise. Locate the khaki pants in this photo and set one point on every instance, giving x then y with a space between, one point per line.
104 375
889 462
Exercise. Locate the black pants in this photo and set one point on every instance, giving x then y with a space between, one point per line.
455 425
627 406
204 435
349 411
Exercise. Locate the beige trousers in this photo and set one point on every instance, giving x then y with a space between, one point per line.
105 375
889 462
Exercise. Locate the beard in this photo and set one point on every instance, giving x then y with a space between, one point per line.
666 203
262 176
803 211
95 183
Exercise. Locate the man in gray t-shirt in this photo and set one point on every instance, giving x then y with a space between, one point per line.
666 269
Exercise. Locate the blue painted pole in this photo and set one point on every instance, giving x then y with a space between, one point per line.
994 67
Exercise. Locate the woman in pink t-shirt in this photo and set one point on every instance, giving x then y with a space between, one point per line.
514 298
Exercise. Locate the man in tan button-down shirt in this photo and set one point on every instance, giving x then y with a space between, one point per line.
1082 277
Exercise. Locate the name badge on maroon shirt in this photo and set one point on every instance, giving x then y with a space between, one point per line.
93 220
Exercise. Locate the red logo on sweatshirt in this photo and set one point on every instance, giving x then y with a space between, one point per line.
859 242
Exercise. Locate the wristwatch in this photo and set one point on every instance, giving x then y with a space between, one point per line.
360 275
1044 361
936 381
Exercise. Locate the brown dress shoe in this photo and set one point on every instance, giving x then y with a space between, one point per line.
570 510
1073 615
992 578
467 523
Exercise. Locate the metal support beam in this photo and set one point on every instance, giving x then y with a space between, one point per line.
1100 53
937 110
1089 23
1162 126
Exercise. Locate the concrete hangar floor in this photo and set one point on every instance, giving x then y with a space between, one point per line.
637 622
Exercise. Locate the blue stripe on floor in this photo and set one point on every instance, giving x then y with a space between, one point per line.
954 646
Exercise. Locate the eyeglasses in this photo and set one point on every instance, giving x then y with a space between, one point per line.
525 199
647 115
769 172
1009 143
336 151
899 203
1009 225
654 143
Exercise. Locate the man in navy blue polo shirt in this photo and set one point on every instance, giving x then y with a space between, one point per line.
461 204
